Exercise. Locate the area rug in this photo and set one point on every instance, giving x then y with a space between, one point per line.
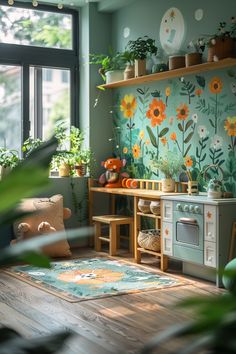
86 279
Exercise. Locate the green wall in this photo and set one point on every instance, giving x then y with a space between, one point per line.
206 134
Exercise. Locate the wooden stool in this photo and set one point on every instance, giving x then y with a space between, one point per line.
114 222
232 242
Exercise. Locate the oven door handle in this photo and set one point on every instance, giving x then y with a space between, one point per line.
188 220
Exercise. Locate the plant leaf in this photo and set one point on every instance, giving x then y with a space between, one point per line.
212 124
152 137
201 81
188 148
180 127
189 137
189 123
163 132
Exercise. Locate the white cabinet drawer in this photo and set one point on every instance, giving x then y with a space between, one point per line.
167 238
210 254
210 226
167 210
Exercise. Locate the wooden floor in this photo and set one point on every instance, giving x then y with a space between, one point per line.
118 324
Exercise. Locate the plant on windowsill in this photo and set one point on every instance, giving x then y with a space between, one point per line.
170 164
63 162
141 48
196 48
8 160
83 162
112 66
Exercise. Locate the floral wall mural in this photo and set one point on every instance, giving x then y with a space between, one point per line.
194 116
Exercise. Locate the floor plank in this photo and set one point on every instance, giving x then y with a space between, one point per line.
118 324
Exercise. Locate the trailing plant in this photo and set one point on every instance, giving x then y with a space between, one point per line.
142 47
113 61
31 144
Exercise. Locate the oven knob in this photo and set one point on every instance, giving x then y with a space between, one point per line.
197 209
179 207
186 207
191 208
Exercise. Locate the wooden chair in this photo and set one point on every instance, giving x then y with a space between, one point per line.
232 242
114 222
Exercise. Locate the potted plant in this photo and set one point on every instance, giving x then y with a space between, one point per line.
30 144
8 160
83 161
170 165
196 49
112 66
129 60
62 162
141 48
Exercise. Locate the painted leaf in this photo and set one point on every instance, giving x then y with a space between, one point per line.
212 124
163 132
140 99
189 123
197 152
180 127
189 137
203 157
201 81
140 91
152 137
188 148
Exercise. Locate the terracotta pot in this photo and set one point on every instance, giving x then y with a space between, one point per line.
193 59
64 170
223 48
81 170
129 72
168 185
176 62
140 67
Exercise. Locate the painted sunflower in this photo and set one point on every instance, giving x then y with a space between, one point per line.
173 136
230 126
128 106
188 161
215 85
136 151
156 112
182 111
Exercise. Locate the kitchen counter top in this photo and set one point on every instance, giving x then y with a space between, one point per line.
201 198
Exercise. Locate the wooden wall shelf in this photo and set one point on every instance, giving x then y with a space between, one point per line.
195 69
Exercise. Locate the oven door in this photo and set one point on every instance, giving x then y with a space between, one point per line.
187 232
188 244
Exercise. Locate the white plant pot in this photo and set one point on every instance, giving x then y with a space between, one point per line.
214 195
114 75
168 185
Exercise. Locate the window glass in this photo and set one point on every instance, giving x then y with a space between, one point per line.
49 101
10 107
35 27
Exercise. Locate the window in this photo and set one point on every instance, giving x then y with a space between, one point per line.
35 28
36 87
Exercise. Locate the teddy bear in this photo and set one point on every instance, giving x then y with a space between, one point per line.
112 178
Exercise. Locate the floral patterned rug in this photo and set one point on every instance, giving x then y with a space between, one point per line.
89 278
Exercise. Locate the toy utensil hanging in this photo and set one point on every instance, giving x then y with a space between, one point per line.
215 186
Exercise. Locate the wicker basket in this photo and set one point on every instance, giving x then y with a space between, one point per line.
150 239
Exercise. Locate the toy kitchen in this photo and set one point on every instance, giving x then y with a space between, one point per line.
197 230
